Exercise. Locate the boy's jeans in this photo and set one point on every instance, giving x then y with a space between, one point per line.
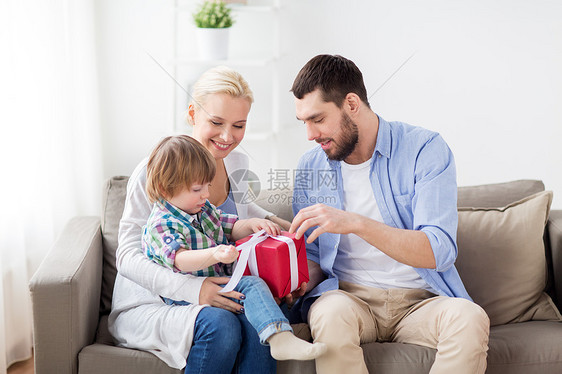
260 308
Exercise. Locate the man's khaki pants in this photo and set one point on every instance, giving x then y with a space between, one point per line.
345 318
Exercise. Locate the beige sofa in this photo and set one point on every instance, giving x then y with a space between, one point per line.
72 289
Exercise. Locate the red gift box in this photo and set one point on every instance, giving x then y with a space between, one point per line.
274 263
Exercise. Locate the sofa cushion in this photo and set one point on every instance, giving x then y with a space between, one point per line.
528 347
106 359
497 195
502 260
555 254
522 348
114 195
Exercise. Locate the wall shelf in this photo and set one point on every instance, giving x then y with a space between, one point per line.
180 63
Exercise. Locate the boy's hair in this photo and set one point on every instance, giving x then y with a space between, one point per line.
335 77
220 79
177 162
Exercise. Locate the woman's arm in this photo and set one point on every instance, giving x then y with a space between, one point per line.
135 266
237 160
285 225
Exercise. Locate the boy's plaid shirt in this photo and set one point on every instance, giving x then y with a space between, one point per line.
169 229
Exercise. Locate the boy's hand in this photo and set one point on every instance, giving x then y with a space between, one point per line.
257 224
226 254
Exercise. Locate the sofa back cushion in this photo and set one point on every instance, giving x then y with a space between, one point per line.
497 195
501 259
114 195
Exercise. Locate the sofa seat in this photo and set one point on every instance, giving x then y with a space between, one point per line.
513 348
524 348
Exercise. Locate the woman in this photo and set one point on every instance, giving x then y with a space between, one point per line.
214 339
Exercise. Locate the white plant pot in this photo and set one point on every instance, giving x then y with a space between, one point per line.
212 43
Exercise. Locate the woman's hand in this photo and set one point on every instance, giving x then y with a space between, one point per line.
210 295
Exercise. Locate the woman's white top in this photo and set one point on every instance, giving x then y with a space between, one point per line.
139 318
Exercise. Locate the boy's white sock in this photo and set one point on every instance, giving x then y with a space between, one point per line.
286 346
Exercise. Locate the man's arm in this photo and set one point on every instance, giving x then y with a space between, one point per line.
315 275
410 247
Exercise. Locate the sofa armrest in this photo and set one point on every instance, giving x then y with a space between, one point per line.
65 293
555 239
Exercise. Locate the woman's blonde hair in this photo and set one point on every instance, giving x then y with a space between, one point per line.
177 162
220 79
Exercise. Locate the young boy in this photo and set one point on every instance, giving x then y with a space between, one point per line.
186 233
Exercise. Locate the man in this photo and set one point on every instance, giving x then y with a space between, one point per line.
382 248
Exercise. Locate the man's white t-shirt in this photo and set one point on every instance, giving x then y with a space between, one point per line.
358 261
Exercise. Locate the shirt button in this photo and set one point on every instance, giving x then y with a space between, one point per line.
380 156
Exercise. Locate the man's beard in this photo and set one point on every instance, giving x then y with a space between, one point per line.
345 145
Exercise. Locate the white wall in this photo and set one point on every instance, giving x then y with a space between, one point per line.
486 75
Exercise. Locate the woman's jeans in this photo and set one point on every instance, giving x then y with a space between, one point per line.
223 339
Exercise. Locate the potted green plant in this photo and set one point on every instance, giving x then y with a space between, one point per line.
213 20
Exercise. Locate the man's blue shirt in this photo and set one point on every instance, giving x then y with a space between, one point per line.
413 179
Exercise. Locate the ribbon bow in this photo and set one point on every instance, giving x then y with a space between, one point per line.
248 257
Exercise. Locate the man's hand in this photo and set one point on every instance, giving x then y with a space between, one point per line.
226 254
210 295
328 219
291 298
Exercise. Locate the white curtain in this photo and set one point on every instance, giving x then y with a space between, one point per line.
50 153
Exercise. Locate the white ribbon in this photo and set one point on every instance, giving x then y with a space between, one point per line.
248 257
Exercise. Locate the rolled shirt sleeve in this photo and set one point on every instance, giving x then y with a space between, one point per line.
161 242
434 203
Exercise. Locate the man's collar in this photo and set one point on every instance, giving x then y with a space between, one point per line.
384 140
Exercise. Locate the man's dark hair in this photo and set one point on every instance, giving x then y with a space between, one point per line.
334 75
